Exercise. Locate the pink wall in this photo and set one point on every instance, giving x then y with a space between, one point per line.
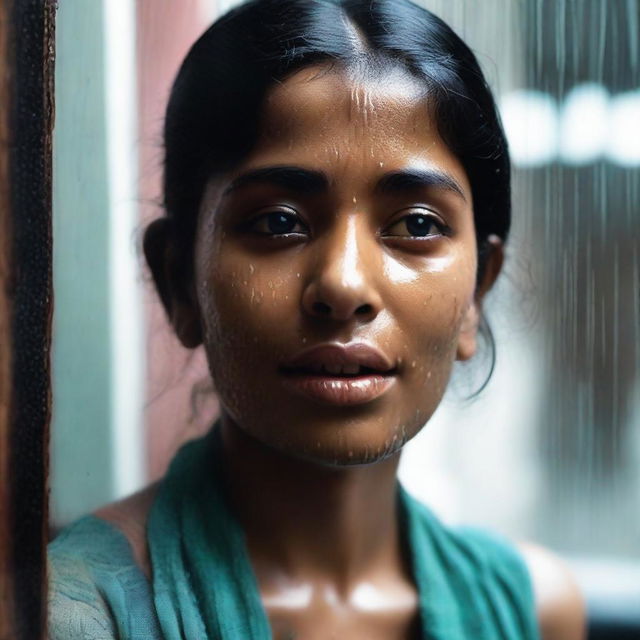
166 30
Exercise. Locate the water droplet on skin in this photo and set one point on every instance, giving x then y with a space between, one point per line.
413 364
355 201
297 275
381 165
428 374
252 269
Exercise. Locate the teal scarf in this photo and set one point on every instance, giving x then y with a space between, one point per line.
470 584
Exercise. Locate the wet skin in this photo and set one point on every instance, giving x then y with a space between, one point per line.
360 229
348 267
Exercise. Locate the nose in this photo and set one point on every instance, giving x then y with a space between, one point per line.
343 282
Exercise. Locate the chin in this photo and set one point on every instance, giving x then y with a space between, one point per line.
350 443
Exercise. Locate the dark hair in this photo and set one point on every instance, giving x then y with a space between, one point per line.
212 120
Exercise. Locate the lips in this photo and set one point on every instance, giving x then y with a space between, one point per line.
338 374
340 359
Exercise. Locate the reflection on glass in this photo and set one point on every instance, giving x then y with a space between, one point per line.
551 450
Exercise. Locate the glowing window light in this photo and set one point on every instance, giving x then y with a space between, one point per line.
584 124
623 146
530 120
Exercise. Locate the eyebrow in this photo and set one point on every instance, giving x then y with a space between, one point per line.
409 179
308 181
294 179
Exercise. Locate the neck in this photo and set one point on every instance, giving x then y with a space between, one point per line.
305 519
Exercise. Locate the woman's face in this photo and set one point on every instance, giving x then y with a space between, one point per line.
361 231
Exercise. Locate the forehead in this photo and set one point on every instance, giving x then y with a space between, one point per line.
340 117
316 95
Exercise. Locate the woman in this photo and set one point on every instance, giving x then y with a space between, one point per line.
337 200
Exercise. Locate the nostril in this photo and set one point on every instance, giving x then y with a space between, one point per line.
321 308
364 309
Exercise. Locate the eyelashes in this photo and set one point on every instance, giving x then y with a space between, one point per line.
417 225
287 223
276 223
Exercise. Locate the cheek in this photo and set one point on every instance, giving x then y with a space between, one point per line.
244 312
432 310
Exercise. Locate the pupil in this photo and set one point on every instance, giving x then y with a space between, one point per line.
418 225
281 222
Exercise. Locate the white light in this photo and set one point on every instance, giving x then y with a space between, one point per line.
208 11
584 124
127 353
530 120
624 138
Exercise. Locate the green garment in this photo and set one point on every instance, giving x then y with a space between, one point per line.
470 584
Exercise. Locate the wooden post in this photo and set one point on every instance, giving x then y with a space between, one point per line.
26 118
6 595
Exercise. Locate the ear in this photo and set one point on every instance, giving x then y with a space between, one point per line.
467 339
176 290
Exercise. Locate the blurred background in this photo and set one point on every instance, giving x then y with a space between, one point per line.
550 451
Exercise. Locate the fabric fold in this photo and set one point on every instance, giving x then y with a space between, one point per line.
471 584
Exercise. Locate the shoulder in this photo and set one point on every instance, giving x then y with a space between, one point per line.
483 573
559 604
98 571
76 605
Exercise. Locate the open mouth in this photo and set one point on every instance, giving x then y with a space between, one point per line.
338 385
340 375
336 371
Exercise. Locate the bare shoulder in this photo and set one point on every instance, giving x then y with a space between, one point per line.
559 603
130 516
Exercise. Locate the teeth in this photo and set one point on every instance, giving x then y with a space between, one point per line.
341 369
351 368
333 368
336 369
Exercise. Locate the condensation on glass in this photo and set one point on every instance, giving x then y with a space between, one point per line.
551 450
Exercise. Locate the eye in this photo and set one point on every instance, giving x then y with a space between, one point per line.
417 225
276 223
